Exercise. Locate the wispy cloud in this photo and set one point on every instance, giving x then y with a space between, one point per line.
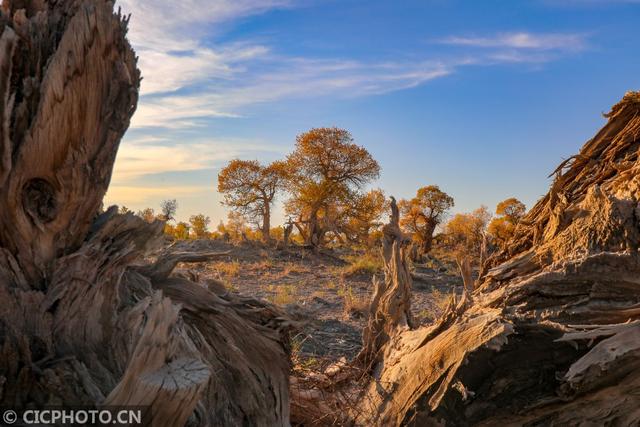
524 41
193 74
188 78
291 78
149 155
182 89
162 25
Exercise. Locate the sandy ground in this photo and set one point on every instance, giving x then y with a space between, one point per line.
315 289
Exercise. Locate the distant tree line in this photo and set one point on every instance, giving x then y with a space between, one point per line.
324 181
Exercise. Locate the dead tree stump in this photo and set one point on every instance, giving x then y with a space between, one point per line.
553 333
84 319
390 307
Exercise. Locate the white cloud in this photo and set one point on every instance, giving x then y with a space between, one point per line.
168 38
166 71
187 79
149 155
163 25
293 78
524 40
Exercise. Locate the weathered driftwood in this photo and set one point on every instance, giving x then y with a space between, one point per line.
552 334
83 318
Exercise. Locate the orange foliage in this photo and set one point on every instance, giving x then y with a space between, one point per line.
326 173
422 214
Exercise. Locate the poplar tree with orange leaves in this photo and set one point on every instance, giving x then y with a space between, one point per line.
327 173
250 189
422 214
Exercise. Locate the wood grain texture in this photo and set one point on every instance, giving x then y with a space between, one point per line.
550 337
85 316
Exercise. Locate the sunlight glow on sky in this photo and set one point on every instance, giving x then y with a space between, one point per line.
480 98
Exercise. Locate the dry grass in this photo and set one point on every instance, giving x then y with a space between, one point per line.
293 268
230 287
282 294
265 264
366 264
228 269
354 305
318 294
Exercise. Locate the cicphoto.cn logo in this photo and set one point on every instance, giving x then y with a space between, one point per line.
131 416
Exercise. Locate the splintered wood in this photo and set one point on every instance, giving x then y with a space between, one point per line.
551 334
84 319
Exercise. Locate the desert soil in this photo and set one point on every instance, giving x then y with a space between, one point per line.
314 289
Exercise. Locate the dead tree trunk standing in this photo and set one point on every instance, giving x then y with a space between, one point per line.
390 308
553 333
82 319
466 271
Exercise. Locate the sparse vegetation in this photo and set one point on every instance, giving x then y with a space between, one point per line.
228 268
366 264
354 305
282 294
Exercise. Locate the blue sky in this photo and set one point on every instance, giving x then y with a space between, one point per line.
483 98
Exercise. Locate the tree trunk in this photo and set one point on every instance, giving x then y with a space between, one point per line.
287 234
390 308
466 271
84 319
427 238
266 223
553 334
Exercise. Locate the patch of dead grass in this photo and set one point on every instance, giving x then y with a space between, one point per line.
354 305
228 269
366 264
282 294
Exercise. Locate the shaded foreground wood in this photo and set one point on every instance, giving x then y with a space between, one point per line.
551 336
84 319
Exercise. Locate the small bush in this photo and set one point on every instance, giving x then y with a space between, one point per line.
293 268
265 264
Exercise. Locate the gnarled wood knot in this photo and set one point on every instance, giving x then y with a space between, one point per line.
39 200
